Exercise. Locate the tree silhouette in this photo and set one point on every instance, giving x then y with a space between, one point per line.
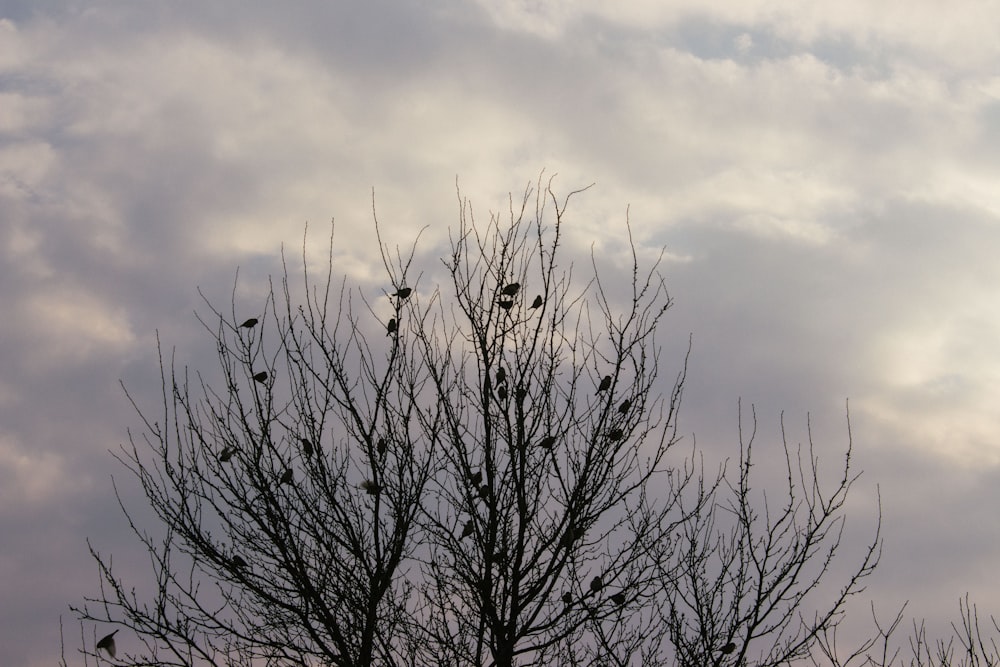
492 483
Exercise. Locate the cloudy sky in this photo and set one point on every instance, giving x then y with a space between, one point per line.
822 174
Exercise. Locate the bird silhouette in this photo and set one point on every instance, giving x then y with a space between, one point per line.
547 442
381 446
567 598
728 648
624 407
391 327
618 599
402 292
307 447
605 384
511 289
250 323
468 529
286 477
537 303
107 643
260 377
502 392
476 478
501 375
238 562
615 434
370 487
571 535
484 492
596 584
226 454
506 304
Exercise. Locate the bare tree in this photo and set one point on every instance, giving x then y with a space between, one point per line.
969 645
749 588
483 477
544 507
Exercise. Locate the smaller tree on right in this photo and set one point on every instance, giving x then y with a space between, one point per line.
747 582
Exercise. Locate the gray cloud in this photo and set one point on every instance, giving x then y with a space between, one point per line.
823 184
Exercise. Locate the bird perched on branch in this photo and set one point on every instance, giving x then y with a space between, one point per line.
476 478
605 384
571 535
567 598
260 377
370 487
624 407
615 434
511 289
391 327
468 529
506 304
618 598
238 562
402 292
501 375
537 303
547 442
286 477
107 643
250 323
728 648
381 446
502 392
596 584
307 447
227 454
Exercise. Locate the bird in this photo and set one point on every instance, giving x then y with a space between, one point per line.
537 303
623 408
502 392
596 584
605 384
618 598
286 477
728 648
506 304
381 446
107 643
402 292
484 492
226 454
370 487
391 327
615 434
547 442
307 447
511 289
250 323
567 597
476 478
238 562
260 377
571 535
501 375
468 529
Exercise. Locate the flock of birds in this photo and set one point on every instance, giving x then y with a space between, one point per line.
505 301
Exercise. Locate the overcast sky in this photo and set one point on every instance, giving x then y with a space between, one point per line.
823 176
